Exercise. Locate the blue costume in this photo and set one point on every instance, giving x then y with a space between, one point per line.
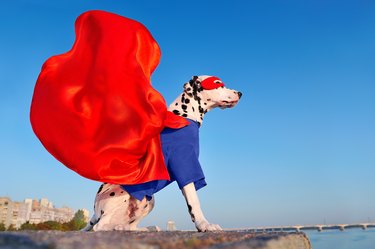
181 151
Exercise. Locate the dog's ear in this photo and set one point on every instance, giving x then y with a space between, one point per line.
192 87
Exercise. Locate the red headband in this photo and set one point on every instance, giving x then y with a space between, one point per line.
212 83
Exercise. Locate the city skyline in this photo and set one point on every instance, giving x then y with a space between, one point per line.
170 224
297 149
42 200
35 211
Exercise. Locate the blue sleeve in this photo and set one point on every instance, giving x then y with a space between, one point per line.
183 164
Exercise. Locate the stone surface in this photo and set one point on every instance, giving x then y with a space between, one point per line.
151 240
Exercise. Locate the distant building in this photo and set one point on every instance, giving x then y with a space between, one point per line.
6 209
29 203
35 217
63 214
44 203
35 204
33 211
171 226
20 213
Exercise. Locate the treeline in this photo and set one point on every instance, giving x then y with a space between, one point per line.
78 222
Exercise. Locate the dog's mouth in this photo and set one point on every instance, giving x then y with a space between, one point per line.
227 104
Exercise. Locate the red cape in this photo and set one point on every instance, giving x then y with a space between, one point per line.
94 108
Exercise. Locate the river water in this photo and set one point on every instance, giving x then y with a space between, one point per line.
348 239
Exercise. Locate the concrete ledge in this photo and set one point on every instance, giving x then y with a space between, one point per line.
151 240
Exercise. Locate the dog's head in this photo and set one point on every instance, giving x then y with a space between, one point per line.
211 92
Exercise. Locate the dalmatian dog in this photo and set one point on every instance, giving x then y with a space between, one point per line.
118 208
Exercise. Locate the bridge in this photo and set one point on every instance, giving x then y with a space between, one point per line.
320 228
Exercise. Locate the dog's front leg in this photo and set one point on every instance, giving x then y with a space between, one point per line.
195 210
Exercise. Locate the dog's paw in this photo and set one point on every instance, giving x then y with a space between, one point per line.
205 226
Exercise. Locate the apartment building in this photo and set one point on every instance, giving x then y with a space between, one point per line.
6 210
33 211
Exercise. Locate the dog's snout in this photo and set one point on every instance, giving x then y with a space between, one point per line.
239 94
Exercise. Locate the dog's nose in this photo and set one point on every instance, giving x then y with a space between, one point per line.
239 94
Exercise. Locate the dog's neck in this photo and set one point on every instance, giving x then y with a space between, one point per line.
189 106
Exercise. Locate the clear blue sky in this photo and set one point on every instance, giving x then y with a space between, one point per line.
299 147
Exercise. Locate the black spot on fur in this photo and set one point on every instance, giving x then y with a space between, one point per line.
100 188
188 89
190 208
201 110
132 221
176 104
133 207
193 108
183 98
187 101
184 107
184 115
112 194
177 112
205 103
191 213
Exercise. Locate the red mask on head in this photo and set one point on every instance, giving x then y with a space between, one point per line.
211 83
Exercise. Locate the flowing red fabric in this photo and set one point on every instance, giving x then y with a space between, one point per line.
94 108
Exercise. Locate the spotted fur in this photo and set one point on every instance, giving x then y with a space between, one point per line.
115 209
195 101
